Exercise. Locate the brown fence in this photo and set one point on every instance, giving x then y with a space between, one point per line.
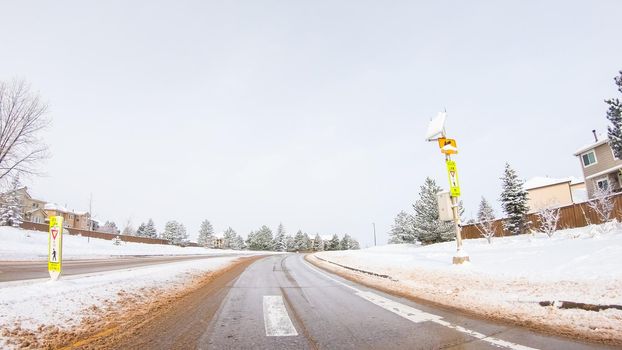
576 215
95 234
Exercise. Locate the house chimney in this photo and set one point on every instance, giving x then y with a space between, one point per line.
595 136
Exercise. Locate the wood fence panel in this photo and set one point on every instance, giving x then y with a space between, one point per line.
575 215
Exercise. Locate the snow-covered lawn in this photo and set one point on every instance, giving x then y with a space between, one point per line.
508 278
18 244
32 310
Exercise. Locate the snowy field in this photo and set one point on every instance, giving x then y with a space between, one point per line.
32 309
18 244
508 278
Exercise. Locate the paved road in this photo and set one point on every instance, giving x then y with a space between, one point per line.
24 270
283 302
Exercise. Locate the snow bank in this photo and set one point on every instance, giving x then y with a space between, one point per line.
34 306
508 278
18 244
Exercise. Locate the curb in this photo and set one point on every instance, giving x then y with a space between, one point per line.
358 270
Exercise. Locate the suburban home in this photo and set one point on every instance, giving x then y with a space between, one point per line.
71 219
219 240
32 208
601 169
545 192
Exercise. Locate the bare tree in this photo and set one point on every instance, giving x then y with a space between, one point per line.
486 217
549 217
486 229
22 117
602 203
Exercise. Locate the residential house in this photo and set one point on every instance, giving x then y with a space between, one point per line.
545 192
71 219
601 169
219 240
32 208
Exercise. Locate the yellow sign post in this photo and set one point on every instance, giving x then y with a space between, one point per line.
55 247
452 172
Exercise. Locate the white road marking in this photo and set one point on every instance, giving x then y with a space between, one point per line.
417 316
275 317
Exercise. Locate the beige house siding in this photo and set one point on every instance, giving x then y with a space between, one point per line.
604 160
557 195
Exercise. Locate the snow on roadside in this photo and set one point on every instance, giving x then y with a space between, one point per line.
19 244
508 278
65 303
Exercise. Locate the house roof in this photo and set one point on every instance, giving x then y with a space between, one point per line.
602 139
544 181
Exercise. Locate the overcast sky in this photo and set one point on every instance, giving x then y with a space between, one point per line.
309 113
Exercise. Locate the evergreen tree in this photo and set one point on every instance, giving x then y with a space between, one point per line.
228 238
306 242
290 243
428 228
140 231
299 241
346 242
513 200
238 243
170 230
334 243
279 243
261 240
10 208
175 232
354 244
614 115
150 230
318 244
206 235
402 230
485 211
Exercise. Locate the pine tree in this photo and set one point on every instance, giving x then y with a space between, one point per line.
206 235
261 240
614 115
354 244
318 244
228 238
10 209
238 243
150 230
140 231
513 200
170 231
299 241
182 235
279 244
485 211
175 232
334 243
402 230
290 243
428 228
306 242
346 242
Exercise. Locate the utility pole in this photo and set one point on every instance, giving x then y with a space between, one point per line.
374 224
436 132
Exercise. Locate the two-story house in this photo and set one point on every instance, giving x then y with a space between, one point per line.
601 169
71 218
32 208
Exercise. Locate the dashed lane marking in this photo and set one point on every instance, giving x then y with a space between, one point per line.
275 317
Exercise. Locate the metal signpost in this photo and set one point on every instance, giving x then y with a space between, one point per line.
436 132
55 247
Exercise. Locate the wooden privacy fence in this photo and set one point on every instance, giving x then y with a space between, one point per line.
571 216
95 234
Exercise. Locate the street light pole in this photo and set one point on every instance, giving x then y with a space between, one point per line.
374 224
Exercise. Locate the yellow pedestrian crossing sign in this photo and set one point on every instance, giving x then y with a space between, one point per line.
452 172
55 247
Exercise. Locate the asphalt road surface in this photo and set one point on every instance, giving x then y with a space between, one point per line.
24 270
283 302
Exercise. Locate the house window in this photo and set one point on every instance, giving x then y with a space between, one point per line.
588 159
602 184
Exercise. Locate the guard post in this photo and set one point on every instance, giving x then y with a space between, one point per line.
55 247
